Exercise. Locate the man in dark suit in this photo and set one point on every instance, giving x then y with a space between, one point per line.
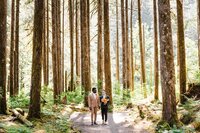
104 99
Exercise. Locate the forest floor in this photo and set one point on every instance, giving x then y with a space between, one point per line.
118 122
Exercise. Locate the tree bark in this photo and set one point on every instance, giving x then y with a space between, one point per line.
198 26
181 49
128 57
16 51
34 108
47 28
132 48
141 48
156 69
12 46
3 44
117 43
107 64
85 67
71 25
78 53
100 48
123 44
169 112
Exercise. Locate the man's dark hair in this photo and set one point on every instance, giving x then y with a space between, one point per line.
94 88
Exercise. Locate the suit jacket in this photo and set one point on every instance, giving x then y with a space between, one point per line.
93 101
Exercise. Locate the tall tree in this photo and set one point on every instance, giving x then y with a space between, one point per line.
3 44
169 113
71 25
107 64
198 20
47 32
141 48
58 30
16 50
131 47
44 56
12 46
34 108
63 47
100 48
156 69
181 49
123 44
85 66
78 54
128 55
88 28
56 48
117 42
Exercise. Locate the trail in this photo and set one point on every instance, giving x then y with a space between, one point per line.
118 122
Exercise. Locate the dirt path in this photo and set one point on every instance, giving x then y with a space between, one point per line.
117 123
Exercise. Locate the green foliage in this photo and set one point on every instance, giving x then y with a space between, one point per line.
20 101
18 129
197 76
47 94
75 96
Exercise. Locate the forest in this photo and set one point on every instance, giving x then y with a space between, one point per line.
92 66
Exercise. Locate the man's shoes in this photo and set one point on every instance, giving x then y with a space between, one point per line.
95 123
92 124
103 122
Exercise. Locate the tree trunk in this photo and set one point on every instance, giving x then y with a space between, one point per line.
78 54
3 44
107 64
100 48
16 52
169 113
34 108
54 50
63 48
156 69
88 30
44 56
198 20
117 43
144 65
12 46
85 67
47 47
71 25
60 89
128 56
181 49
132 48
141 48
123 44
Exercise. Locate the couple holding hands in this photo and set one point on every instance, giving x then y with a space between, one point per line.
96 102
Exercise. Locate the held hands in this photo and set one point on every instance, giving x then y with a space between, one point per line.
90 108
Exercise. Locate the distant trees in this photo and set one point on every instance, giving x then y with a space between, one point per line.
34 108
3 44
142 58
169 113
117 42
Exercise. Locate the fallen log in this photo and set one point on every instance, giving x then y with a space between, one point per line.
21 118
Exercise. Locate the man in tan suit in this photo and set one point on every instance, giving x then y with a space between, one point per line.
94 104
